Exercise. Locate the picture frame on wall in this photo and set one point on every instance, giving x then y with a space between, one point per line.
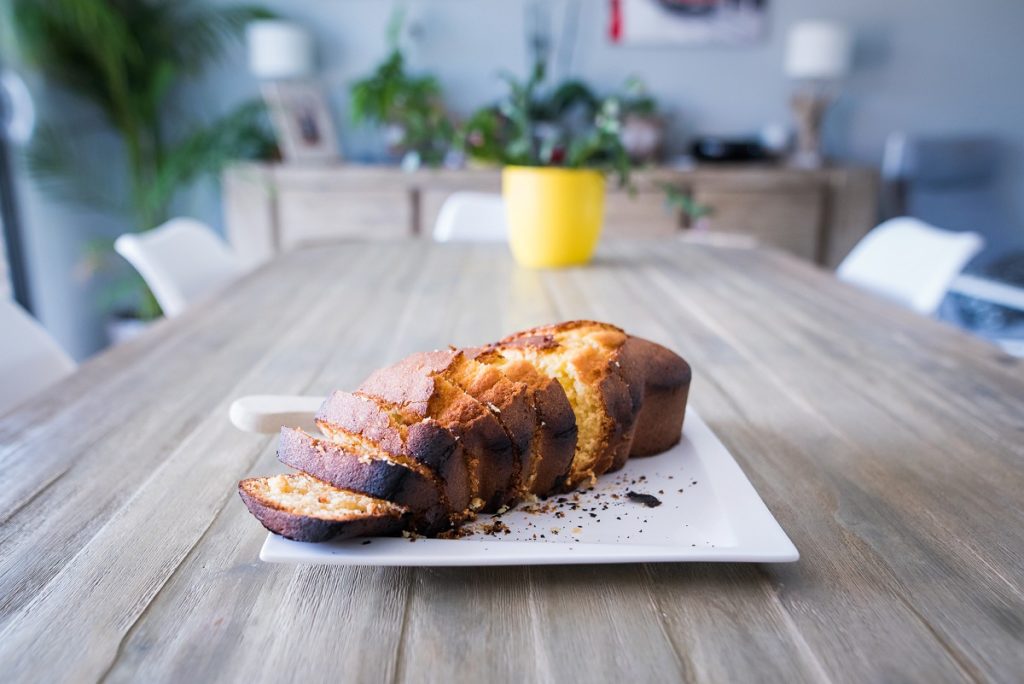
302 121
686 22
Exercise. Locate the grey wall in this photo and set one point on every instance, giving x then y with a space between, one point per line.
923 66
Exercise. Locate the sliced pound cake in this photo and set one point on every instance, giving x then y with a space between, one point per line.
426 443
362 421
554 439
507 399
303 508
587 359
422 386
370 472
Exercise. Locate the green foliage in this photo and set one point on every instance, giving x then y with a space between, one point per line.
240 134
636 100
569 127
392 96
681 200
124 57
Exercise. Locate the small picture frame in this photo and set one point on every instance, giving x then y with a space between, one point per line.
302 121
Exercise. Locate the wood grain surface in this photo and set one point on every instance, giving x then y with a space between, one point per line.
888 446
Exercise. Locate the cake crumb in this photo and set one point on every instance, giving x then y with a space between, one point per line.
648 500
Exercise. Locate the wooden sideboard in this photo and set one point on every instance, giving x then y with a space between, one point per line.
816 215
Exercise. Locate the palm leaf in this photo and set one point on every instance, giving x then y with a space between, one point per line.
243 133
202 33
85 45
64 166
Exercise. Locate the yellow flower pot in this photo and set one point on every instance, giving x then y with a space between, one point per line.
554 215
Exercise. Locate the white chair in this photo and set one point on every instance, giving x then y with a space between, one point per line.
909 261
181 261
471 217
949 180
30 360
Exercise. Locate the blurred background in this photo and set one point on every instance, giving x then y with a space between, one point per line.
122 114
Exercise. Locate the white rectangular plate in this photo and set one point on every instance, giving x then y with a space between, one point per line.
709 512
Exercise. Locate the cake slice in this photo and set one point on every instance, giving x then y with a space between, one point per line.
303 508
421 386
554 438
507 399
423 445
368 471
603 385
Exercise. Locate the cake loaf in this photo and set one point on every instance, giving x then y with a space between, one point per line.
425 444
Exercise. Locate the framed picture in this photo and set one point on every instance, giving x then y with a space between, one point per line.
302 121
686 22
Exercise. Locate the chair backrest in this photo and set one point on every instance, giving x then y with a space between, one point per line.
181 261
471 217
909 261
30 360
940 161
950 180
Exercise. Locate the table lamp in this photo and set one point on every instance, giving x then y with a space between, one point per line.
279 50
817 57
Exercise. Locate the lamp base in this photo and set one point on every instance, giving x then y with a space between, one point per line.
809 107
806 159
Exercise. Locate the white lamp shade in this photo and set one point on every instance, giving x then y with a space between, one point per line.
279 49
818 50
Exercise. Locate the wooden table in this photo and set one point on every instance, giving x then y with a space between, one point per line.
889 447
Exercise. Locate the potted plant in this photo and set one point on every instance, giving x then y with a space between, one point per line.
123 59
643 129
695 216
556 149
409 108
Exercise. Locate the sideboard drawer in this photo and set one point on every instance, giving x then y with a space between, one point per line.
640 215
310 216
790 220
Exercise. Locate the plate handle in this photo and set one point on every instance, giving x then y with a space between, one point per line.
268 413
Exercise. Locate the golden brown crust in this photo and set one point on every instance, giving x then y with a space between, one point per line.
424 442
557 438
631 370
379 479
615 392
657 381
593 350
554 438
305 527
506 399
417 387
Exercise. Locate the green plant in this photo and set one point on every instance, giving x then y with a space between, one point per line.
682 200
125 57
390 95
568 127
636 99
